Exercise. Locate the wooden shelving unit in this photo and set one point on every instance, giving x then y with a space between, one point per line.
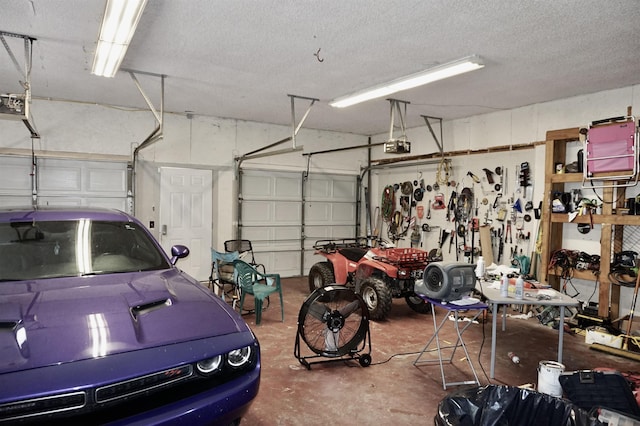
611 224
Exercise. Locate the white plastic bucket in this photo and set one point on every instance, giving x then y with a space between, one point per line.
548 374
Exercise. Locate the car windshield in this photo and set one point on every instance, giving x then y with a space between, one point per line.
35 250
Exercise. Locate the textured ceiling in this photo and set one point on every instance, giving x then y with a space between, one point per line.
241 58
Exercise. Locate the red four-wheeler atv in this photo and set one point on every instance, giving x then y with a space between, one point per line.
378 274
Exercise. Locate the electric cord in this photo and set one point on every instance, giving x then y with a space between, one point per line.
484 335
595 286
620 196
397 355
446 165
388 203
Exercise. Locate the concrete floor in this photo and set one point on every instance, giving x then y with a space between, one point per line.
392 391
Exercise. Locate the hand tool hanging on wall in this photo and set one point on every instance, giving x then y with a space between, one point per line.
475 178
452 204
525 178
507 233
443 236
500 242
489 174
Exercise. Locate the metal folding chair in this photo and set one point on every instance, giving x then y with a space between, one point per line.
245 249
223 276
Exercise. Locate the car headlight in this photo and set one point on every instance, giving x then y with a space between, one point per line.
239 357
234 360
209 365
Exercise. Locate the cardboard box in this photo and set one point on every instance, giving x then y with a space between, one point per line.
600 335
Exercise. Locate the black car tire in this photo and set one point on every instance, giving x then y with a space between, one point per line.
321 275
417 304
377 297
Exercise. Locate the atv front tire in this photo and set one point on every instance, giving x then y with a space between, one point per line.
321 275
417 304
377 297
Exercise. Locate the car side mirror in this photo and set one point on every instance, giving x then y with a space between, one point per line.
178 252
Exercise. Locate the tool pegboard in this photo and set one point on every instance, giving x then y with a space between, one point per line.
464 206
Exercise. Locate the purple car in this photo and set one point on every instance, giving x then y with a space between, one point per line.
98 326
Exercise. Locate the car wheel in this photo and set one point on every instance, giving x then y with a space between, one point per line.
417 304
321 275
377 297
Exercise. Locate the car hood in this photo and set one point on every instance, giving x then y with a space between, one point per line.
54 321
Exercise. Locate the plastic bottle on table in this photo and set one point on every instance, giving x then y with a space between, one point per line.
504 286
515 358
480 268
520 287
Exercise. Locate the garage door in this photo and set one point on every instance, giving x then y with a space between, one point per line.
63 182
283 215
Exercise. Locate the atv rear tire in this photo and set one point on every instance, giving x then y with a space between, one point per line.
321 275
377 297
417 304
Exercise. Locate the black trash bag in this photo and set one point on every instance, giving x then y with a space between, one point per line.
494 405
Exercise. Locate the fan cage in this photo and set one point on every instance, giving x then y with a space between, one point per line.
334 323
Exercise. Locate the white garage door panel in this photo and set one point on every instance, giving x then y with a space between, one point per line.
63 182
256 213
315 233
288 188
271 186
15 176
14 201
57 179
98 178
265 213
332 214
331 188
272 215
287 263
105 180
288 213
257 187
345 189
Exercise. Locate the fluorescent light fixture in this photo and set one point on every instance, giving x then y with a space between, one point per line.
118 25
430 75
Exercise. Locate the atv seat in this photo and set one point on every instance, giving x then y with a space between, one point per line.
353 253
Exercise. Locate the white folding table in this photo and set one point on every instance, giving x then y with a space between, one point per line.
545 297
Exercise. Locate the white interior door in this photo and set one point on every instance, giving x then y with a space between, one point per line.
186 216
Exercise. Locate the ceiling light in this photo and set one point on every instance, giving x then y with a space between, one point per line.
118 25
430 75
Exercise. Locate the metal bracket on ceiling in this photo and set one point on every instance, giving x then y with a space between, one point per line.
397 108
440 143
13 110
258 153
157 134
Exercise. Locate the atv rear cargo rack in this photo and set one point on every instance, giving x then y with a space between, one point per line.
337 244
406 255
